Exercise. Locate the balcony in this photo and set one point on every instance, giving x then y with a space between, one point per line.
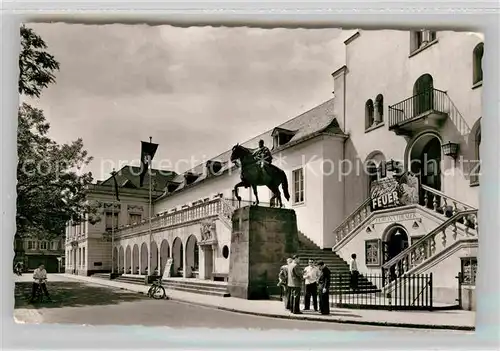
429 108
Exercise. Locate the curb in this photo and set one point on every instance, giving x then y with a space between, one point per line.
343 321
304 318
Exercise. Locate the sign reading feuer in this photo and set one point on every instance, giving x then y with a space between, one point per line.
392 192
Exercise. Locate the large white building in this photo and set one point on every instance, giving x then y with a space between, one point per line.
403 101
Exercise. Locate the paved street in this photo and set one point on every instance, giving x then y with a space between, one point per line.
87 303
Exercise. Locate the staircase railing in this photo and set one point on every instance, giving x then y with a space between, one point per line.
442 203
353 220
429 245
457 118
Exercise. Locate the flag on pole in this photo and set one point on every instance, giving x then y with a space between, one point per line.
148 151
113 174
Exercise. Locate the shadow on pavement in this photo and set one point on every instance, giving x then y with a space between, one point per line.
73 294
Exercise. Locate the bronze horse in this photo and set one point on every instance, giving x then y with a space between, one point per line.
253 175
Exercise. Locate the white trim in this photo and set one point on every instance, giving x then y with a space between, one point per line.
299 203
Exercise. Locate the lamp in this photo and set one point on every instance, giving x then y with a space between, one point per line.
391 165
450 149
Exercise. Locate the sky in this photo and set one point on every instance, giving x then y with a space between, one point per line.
196 91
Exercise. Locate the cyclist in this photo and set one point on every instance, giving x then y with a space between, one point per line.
39 282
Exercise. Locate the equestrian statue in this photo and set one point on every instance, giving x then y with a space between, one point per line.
257 170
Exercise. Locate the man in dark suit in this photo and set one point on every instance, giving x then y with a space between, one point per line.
324 288
294 284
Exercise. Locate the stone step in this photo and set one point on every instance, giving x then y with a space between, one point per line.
195 285
201 291
132 280
102 275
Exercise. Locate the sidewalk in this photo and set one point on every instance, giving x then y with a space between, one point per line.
453 319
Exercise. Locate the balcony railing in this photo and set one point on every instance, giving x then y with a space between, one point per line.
415 106
174 217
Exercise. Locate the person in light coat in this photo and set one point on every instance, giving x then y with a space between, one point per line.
311 275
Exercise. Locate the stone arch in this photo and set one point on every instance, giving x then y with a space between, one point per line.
423 91
154 257
135 259
177 256
128 260
164 254
121 260
192 254
424 159
143 266
395 240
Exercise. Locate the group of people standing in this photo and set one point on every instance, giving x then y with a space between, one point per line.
315 277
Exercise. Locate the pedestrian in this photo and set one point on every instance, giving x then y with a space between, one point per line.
282 283
294 284
311 275
39 280
353 268
324 288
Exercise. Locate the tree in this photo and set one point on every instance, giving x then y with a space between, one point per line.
36 66
51 182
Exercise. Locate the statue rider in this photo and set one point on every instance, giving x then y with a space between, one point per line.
263 154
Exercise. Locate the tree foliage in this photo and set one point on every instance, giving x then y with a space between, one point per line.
36 65
51 182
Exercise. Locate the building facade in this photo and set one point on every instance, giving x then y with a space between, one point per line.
32 252
406 110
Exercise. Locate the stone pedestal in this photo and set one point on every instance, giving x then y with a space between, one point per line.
261 240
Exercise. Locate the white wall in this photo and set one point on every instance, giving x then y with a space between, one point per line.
378 62
310 215
356 242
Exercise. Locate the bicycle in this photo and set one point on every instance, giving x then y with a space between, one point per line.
39 294
157 291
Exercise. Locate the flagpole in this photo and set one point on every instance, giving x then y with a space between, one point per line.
150 166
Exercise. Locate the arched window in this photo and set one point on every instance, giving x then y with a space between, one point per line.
379 109
477 63
369 110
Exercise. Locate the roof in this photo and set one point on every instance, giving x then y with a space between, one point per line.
128 177
318 119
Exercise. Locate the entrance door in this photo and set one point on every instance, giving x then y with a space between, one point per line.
430 172
208 263
396 242
423 92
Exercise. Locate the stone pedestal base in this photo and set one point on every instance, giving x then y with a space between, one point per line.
261 240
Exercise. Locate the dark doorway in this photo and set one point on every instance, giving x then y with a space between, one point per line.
395 243
426 164
423 91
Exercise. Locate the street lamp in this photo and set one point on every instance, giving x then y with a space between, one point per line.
450 149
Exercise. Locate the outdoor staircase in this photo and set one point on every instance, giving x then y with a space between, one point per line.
197 286
340 275
457 225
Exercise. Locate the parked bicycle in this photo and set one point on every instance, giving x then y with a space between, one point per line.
157 291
